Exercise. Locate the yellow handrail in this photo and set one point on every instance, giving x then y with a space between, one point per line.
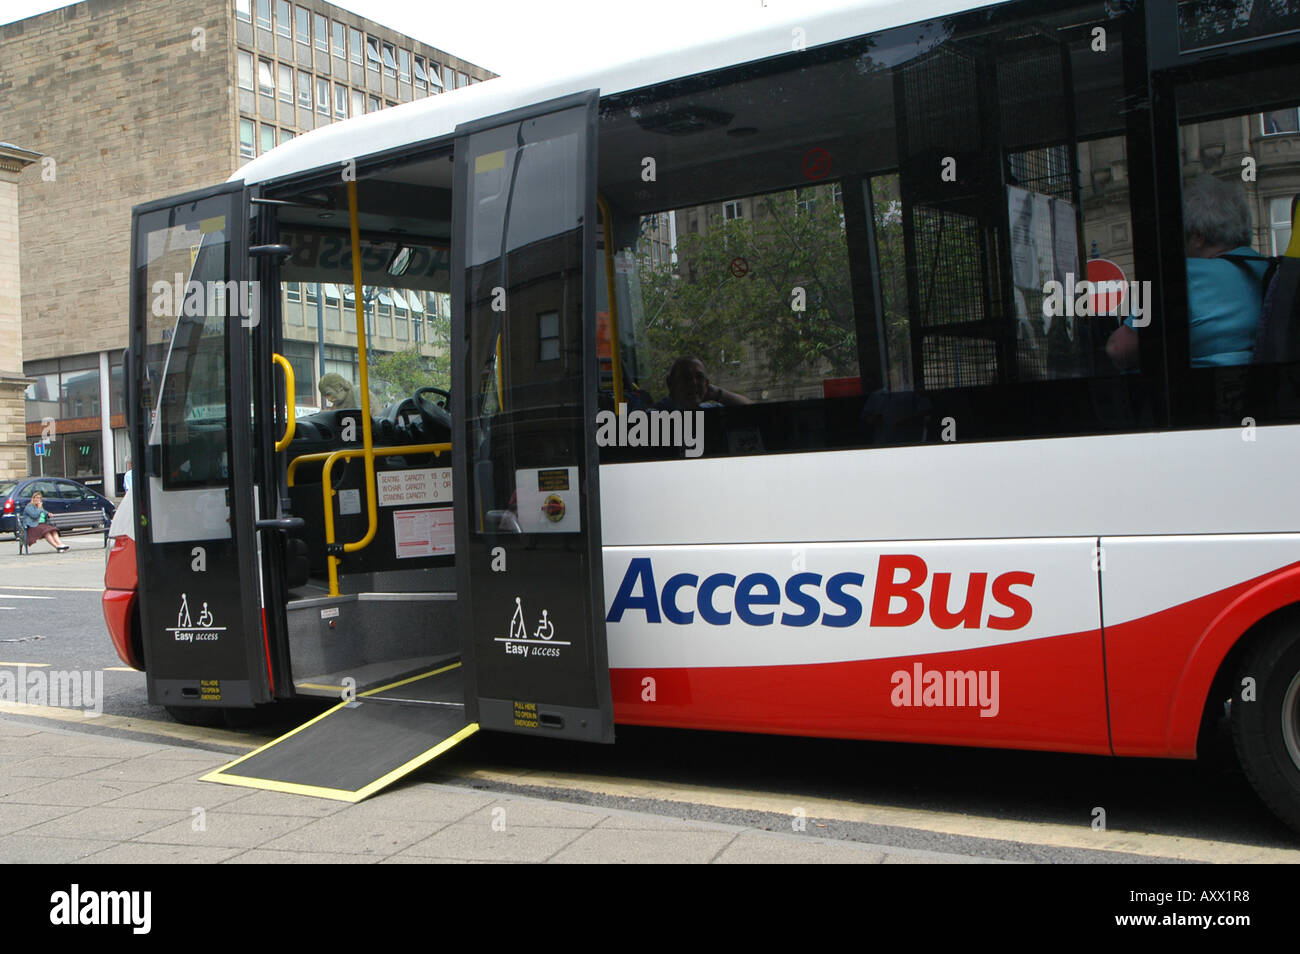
327 492
367 444
435 449
292 423
615 342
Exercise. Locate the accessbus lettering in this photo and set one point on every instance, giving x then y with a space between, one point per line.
806 594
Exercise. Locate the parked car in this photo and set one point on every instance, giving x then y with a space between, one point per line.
71 505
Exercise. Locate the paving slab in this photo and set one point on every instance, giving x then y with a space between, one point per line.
227 829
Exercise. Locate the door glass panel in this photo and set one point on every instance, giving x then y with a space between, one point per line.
190 300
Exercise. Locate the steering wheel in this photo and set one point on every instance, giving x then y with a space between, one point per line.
437 416
445 403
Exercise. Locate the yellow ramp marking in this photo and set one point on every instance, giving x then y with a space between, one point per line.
339 794
29 665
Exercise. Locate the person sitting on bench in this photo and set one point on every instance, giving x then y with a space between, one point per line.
36 519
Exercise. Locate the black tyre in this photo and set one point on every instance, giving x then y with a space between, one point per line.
1266 731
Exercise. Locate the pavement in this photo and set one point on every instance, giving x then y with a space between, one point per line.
73 797
81 567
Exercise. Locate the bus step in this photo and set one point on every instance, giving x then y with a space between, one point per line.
361 746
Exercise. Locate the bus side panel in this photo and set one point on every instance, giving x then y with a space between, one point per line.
993 642
1174 607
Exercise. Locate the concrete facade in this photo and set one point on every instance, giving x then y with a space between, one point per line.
13 436
133 100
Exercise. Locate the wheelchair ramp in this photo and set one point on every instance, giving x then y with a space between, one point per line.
359 747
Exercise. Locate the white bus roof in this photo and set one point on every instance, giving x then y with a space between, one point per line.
436 116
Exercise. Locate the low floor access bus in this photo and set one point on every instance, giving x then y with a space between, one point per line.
856 377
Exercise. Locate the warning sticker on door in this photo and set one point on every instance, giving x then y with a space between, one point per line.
421 533
400 487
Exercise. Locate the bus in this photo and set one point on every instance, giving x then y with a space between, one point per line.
876 375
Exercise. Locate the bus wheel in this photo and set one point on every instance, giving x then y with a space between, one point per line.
1266 719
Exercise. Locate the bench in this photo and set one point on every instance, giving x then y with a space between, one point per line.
73 523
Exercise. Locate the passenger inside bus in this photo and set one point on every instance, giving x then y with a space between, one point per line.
689 388
1224 279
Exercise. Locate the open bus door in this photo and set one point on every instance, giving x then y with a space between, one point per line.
192 314
527 501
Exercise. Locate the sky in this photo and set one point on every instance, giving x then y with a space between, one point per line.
514 36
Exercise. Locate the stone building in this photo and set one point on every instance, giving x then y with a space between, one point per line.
13 436
133 100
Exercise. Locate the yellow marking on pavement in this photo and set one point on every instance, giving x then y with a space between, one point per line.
29 665
172 730
121 669
317 685
1079 836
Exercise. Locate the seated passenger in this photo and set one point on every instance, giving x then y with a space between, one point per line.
336 391
1224 293
689 388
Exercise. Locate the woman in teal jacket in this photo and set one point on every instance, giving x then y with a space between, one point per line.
36 520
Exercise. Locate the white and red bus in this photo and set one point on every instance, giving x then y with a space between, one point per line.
778 401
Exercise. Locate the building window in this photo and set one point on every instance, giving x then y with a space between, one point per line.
322 95
264 14
372 105
404 65
1280 122
245 70
390 64
358 103
340 36
322 33
372 52
805 200
292 291
461 80
265 78
304 90
246 148
282 17
268 138
732 210
548 336
285 135
244 10
354 46
421 77
286 83
302 25
340 102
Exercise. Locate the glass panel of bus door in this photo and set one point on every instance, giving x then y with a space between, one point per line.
192 312
527 502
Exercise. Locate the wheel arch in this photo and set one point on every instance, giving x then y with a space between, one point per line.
1208 673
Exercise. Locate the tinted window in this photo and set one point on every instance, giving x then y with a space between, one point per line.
900 262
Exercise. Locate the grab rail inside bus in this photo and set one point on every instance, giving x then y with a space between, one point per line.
435 449
291 424
615 343
334 550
